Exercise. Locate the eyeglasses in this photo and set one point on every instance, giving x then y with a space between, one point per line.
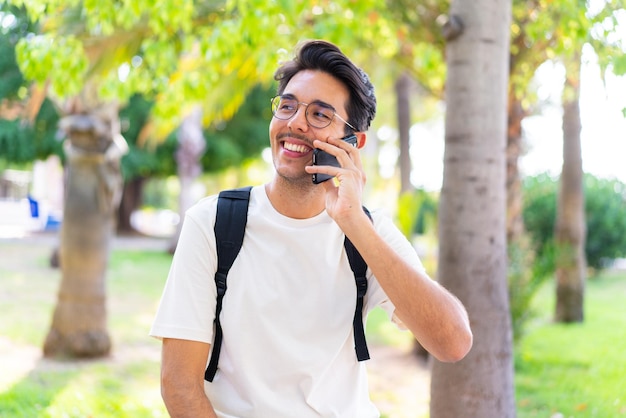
318 114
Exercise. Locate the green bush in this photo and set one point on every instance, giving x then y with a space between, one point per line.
605 210
417 212
525 276
606 220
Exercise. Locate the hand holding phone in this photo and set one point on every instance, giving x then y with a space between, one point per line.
323 158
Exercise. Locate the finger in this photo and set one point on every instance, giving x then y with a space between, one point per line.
349 147
343 151
353 153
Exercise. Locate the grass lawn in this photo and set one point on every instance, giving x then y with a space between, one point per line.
562 371
124 385
576 370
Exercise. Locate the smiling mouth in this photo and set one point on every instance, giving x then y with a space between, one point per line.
302 149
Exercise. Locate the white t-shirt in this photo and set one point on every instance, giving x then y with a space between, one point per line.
288 345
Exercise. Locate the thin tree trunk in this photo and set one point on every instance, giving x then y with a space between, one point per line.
191 146
570 229
514 198
93 150
472 214
131 201
403 87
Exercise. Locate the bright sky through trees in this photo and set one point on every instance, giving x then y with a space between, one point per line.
603 134
603 124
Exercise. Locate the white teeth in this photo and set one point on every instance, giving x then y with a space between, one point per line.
295 147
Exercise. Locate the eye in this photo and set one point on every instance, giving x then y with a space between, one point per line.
321 113
287 105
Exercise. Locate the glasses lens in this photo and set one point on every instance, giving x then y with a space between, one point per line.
319 116
284 108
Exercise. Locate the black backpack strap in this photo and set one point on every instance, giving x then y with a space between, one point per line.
230 227
359 268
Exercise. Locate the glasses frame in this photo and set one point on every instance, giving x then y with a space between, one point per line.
306 111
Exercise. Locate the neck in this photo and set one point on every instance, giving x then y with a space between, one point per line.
298 200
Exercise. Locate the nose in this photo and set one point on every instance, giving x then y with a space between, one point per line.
298 120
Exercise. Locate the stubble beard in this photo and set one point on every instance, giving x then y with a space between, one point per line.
300 183
293 180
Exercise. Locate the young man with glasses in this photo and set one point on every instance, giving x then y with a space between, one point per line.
288 345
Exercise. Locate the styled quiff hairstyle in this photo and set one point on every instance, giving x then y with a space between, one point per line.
326 57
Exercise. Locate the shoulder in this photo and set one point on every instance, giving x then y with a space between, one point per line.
387 228
382 220
206 208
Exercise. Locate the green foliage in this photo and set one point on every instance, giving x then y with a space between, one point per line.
526 273
12 141
161 193
417 212
421 45
228 144
10 74
380 330
575 370
45 57
606 220
144 158
620 65
186 53
13 26
212 53
532 259
243 137
22 143
44 132
554 30
539 212
605 205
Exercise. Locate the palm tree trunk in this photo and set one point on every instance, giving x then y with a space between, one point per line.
93 189
472 214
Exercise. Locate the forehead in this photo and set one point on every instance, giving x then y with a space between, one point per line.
310 85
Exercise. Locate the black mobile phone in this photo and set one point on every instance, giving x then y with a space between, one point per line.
323 158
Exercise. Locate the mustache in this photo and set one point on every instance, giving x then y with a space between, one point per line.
294 135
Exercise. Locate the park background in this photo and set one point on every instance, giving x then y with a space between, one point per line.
558 369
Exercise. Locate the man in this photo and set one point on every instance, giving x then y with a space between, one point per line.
288 348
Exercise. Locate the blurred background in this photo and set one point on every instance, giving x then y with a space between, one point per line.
124 114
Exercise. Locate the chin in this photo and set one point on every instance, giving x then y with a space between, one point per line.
301 179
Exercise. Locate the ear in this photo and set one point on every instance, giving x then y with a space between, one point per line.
361 138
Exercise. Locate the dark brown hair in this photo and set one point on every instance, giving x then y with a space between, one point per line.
327 57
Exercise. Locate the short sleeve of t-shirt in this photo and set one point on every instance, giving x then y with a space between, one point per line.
394 237
187 307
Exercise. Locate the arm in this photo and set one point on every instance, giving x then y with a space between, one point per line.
182 378
435 317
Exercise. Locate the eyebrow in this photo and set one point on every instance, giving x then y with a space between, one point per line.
317 102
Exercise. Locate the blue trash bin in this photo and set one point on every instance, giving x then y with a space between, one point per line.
34 207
